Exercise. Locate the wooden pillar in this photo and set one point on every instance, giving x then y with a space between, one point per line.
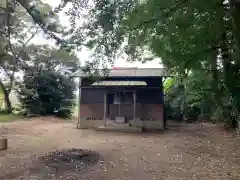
105 109
119 104
134 104
134 108
79 102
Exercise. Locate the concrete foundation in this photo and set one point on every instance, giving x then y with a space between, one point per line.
149 116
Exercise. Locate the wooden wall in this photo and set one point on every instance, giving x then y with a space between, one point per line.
149 103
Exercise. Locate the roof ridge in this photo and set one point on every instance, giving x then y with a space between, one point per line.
130 72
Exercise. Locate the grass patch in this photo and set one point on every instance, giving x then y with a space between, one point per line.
9 117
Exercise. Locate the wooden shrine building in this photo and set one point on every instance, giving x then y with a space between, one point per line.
128 96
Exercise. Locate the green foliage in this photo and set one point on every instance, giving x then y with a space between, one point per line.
168 84
17 28
47 93
196 93
43 57
199 100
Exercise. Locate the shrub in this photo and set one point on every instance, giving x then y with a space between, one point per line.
47 93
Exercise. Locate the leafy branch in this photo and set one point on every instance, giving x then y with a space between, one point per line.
45 27
17 56
166 12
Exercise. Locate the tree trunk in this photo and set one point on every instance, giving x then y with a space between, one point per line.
235 13
215 85
7 101
183 76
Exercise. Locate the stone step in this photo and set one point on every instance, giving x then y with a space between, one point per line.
118 125
118 128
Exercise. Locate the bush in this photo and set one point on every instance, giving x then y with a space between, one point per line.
47 93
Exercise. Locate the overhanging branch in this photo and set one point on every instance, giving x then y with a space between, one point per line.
166 12
16 56
38 22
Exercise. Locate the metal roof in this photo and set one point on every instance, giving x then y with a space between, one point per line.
120 83
127 72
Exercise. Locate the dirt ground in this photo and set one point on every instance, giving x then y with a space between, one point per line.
190 151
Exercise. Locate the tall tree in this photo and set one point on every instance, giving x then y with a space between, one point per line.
47 93
17 30
46 88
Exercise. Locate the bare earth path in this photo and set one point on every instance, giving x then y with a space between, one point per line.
192 151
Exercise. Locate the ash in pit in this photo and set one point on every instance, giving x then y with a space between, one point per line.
68 161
